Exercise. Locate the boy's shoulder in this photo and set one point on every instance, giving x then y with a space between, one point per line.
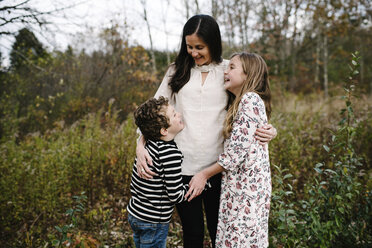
161 144
164 151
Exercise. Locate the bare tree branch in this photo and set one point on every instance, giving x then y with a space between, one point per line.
143 2
21 13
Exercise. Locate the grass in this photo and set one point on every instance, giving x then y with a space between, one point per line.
41 173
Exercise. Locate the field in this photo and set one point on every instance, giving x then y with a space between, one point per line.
42 173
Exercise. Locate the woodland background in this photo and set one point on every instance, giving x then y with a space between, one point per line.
67 137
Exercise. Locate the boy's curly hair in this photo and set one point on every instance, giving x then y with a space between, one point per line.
151 116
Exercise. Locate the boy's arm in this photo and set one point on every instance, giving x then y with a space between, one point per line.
175 189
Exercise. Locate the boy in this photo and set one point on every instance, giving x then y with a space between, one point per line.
151 206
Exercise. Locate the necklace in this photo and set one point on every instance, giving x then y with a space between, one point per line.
205 68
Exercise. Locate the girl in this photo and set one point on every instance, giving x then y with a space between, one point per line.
246 180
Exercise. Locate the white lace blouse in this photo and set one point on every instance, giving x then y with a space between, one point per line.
203 110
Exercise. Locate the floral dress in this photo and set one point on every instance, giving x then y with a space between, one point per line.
246 183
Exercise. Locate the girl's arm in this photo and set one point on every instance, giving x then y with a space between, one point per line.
199 180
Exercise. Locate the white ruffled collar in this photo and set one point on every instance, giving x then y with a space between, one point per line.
205 68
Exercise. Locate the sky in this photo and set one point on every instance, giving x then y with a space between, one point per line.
165 16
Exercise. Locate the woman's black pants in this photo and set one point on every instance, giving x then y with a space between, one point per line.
191 214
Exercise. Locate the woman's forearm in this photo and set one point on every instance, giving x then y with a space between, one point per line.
143 159
140 144
141 140
212 170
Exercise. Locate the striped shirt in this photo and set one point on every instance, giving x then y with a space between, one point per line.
153 200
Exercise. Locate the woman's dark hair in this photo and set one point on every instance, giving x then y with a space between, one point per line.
207 29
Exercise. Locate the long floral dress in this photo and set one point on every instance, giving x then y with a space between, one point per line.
246 183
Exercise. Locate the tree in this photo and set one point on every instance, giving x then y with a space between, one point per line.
152 52
15 13
26 82
164 21
25 50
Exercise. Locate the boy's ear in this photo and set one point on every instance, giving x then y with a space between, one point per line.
164 131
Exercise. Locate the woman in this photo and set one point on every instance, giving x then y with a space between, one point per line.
195 86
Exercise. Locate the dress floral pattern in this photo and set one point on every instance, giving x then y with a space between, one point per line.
246 183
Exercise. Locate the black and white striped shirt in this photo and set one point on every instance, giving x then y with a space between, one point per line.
153 200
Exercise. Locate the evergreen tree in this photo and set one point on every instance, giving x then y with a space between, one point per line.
25 50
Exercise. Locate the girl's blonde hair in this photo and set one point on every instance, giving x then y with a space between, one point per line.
257 80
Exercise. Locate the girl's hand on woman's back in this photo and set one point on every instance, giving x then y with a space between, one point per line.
265 134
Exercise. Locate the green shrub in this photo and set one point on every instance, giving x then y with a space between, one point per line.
334 209
41 173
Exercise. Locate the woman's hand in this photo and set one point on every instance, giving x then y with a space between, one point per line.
143 158
265 134
197 184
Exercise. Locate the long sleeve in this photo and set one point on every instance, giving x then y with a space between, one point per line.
241 143
171 160
153 200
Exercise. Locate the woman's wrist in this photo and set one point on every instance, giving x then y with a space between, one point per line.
205 175
212 170
141 142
